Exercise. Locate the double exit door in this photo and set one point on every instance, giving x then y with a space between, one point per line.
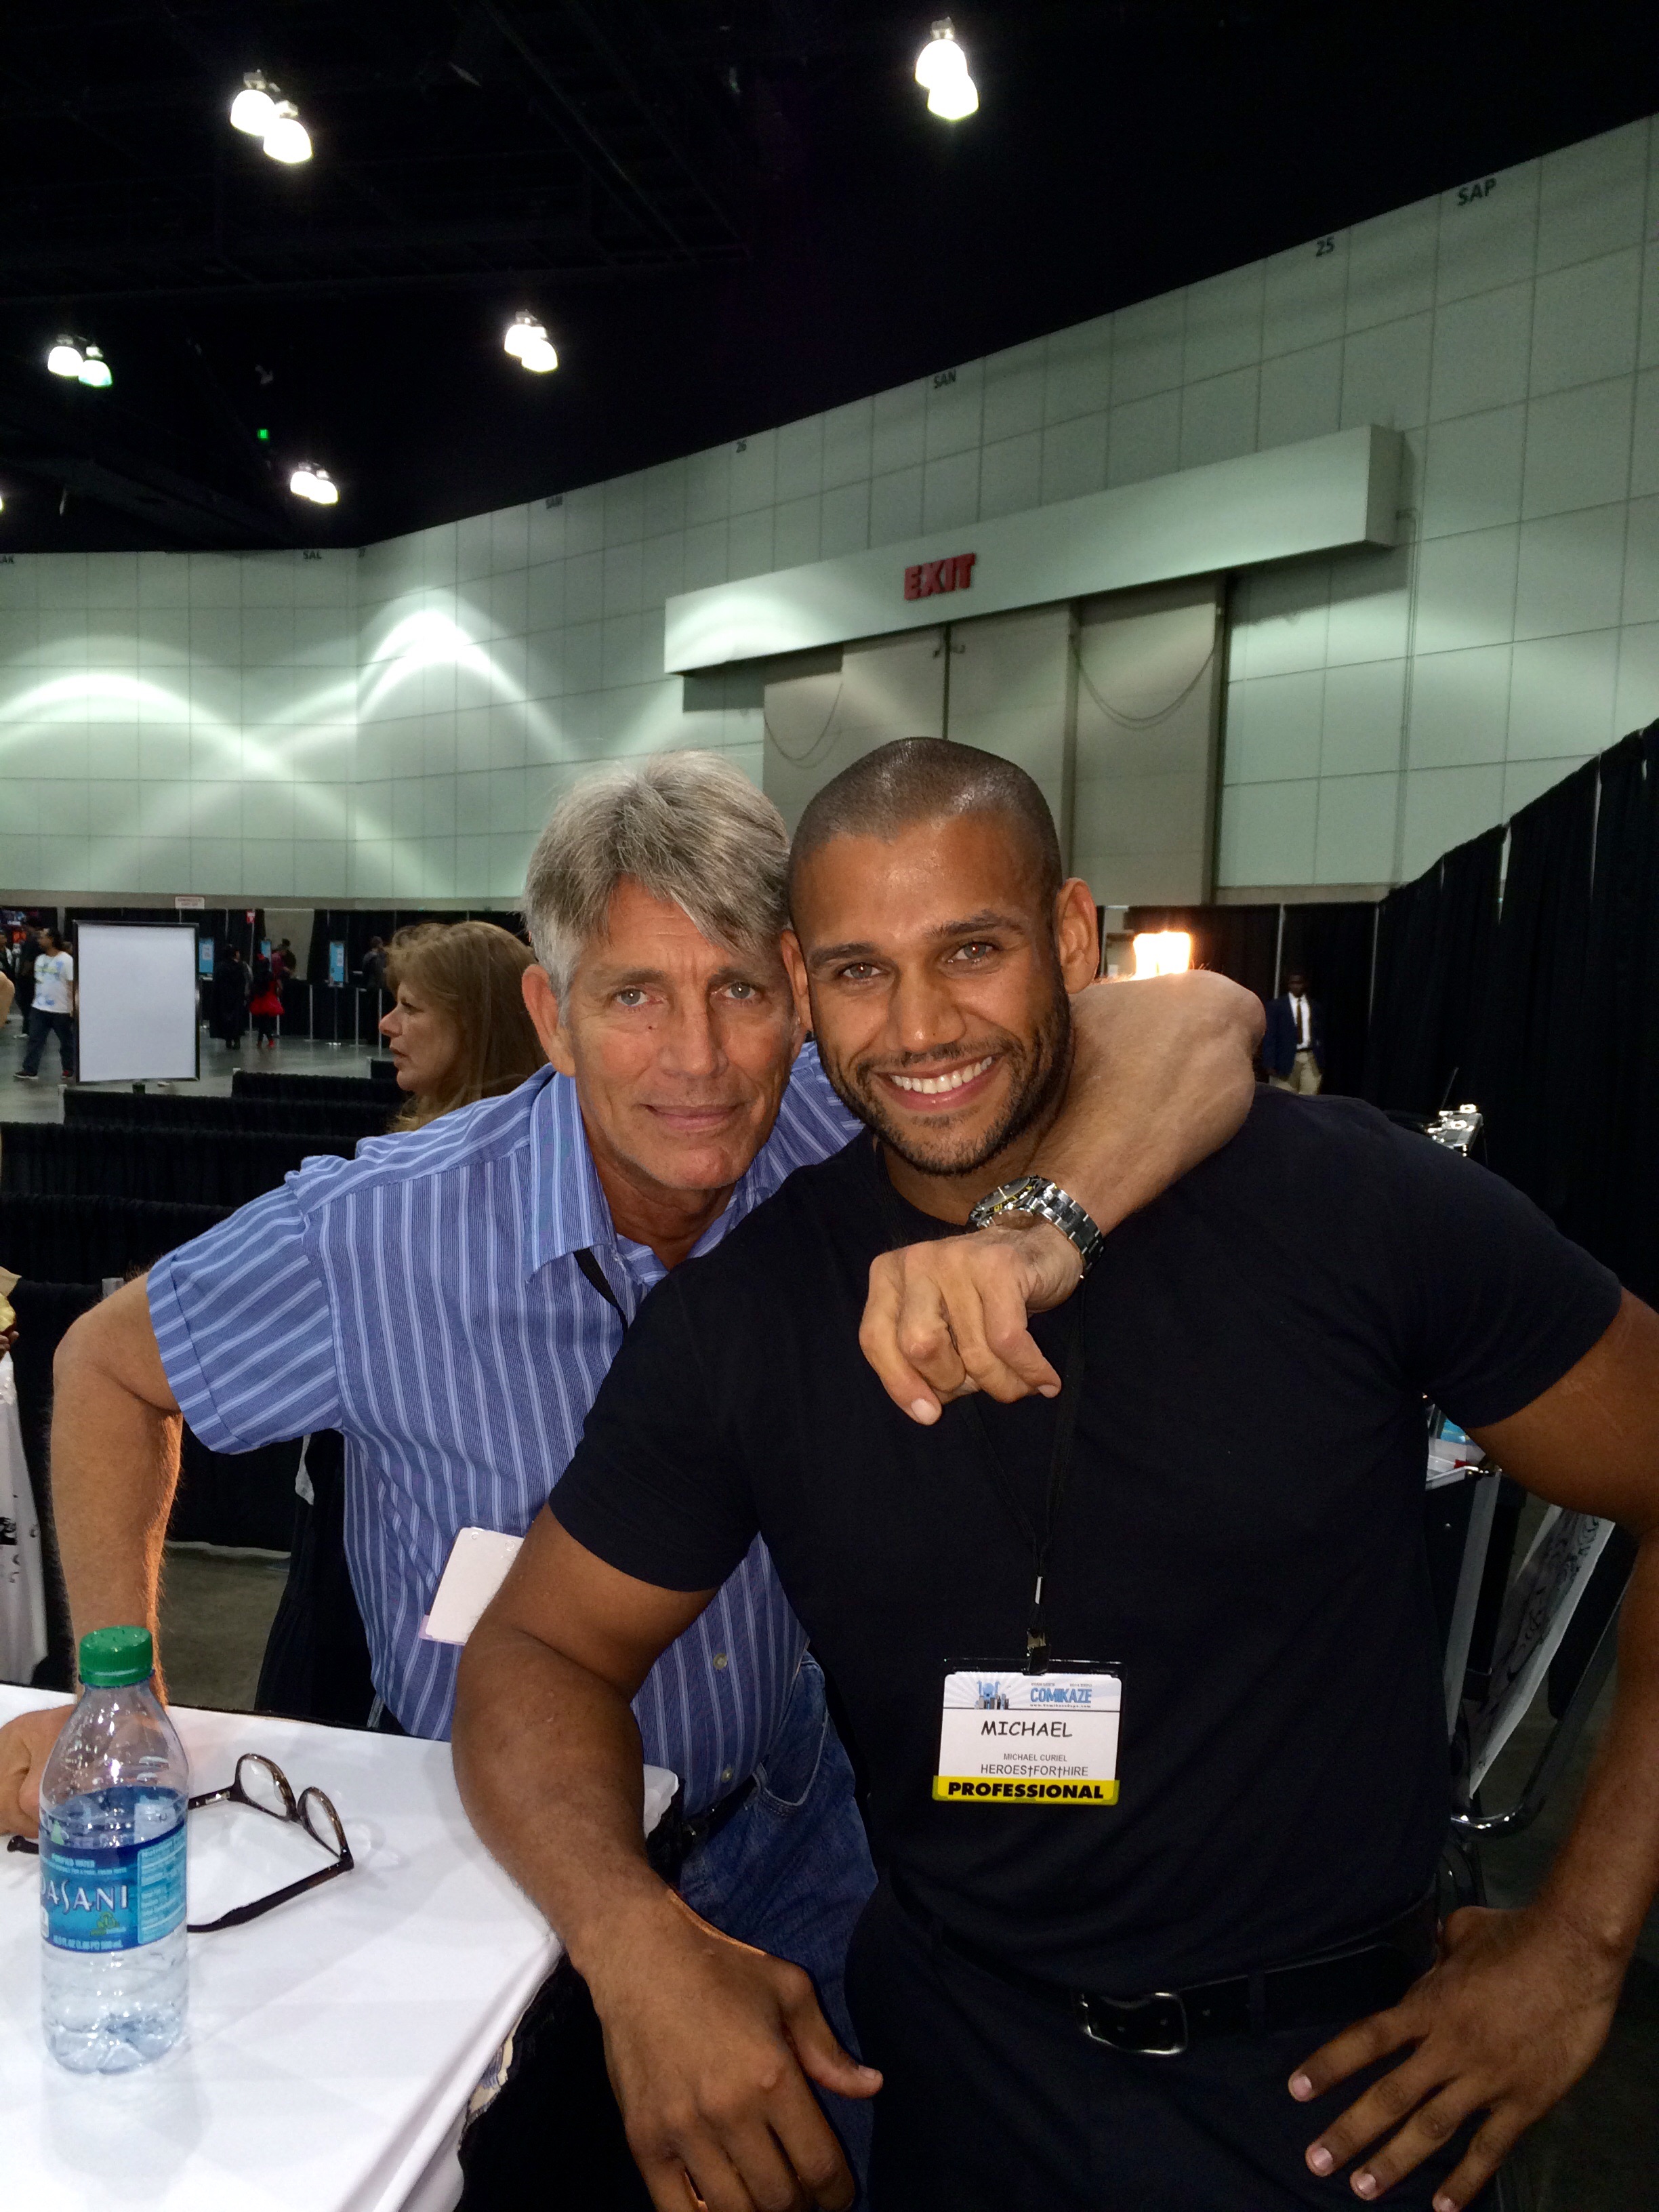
1111 704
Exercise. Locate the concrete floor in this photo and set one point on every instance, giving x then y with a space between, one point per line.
43 1101
216 1611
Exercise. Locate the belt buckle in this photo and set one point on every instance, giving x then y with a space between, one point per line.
1116 2030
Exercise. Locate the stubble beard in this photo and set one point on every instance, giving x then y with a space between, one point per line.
1040 1063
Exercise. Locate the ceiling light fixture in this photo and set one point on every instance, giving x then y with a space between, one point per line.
288 139
309 482
256 110
74 357
528 342
942 71
253 110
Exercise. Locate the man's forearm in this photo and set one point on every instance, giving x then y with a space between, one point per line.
1605 1875
1110 1147
114 1469
548 1760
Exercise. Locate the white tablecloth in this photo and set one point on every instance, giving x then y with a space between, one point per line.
331 2045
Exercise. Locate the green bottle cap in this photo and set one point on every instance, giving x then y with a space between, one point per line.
112 1657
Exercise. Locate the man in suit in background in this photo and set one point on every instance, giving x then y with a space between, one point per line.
1293 1050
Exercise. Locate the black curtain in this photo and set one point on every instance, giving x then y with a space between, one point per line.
1331 945
223 924
1435 940
1529 1074
355 926
1614 1204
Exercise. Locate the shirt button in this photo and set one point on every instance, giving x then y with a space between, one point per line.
719 1658
725 1774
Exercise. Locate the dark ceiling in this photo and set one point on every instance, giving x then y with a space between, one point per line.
729 213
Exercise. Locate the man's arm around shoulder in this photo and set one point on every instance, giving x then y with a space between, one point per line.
711 2045
1161 1077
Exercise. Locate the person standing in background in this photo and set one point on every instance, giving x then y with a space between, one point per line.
232 987
266 1003
52 1013
23 973
374 968
1293 1050
459 1031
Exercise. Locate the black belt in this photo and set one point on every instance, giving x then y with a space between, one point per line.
1372 1973
674 1839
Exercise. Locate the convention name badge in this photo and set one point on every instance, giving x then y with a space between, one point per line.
1009 1737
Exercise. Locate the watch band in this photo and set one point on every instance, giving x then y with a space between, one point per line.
1035 1193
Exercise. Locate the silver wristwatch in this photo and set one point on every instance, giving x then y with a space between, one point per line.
1035 1195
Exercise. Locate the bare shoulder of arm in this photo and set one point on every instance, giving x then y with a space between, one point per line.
115 1342
1591 1441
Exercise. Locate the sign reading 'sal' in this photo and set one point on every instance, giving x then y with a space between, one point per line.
1010 1738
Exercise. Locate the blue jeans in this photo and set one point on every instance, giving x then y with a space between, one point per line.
41 1026
790 1873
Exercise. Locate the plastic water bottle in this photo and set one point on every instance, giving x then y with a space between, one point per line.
113 1800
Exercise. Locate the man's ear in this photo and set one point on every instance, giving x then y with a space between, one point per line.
1077 933
542 1005
794 961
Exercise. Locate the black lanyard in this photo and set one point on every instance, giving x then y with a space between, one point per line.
595 1274
1059 1459
1059 1468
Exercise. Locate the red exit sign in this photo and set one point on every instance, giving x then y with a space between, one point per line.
954 573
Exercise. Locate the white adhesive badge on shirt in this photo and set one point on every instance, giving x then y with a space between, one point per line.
1010 1738
475 1570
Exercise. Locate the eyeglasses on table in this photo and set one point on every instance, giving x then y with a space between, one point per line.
261 1785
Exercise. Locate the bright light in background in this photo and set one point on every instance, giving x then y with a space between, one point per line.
288 139
276 122
942 70
1162 952
528 342
85 363
253 110
309 482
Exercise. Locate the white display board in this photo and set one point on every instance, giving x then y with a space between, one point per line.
135 1003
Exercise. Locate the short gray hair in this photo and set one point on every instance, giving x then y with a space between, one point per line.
689 827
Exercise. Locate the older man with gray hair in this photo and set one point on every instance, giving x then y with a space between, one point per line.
450 1300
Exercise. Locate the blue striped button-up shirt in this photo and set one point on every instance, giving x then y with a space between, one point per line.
424 1299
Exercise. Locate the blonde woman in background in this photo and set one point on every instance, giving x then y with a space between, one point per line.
458 1031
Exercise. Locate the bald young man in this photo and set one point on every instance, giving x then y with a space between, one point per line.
1149 1691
